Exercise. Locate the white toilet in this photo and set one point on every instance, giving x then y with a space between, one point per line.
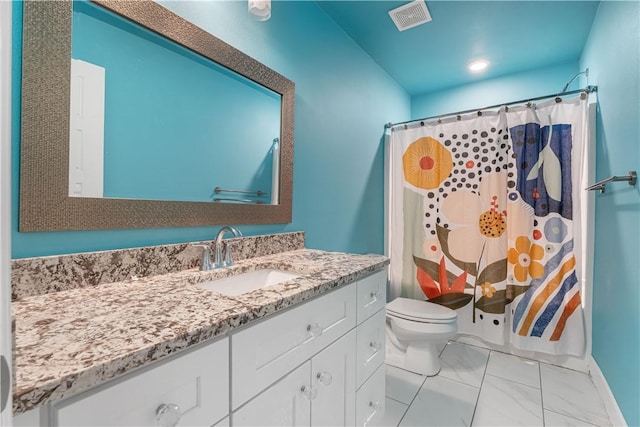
416 331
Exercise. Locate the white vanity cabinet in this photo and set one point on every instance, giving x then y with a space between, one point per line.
337 343
320 363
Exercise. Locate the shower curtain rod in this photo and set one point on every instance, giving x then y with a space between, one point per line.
587 89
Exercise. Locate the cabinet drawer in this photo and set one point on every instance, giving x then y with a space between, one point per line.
370 399
370 348
198 382
372 294
265 352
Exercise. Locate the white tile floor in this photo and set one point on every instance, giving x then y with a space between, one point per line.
479 387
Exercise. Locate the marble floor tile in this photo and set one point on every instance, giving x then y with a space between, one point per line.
471 340
463 363
553 419
394 411
572 393
442 402
402 385
514 368
508 403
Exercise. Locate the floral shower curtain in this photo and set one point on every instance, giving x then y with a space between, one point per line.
484 219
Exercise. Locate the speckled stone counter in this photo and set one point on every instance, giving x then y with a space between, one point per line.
43 275
71 340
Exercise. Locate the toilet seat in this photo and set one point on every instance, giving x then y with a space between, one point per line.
420 311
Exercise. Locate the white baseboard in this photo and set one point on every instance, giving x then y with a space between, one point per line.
617 419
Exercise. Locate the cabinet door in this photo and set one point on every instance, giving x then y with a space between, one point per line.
334 377
286 403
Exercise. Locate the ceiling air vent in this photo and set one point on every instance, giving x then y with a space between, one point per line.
410 15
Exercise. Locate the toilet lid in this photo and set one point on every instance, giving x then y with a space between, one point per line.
421 311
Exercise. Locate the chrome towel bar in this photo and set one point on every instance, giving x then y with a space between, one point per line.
258 193
631 178
229 199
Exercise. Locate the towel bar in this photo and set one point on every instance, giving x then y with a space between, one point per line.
631 178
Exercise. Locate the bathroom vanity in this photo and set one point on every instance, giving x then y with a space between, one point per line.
160 350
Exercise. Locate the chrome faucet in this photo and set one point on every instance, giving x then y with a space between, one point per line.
228 261
205 262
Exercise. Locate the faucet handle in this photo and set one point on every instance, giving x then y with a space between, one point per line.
205 261
228 261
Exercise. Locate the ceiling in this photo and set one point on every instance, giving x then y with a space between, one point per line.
514 36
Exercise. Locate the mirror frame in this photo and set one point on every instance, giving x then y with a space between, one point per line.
45 204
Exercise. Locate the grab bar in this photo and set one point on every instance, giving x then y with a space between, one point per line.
631 179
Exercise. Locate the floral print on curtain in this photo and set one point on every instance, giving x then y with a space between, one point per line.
543 161
493 201
463 171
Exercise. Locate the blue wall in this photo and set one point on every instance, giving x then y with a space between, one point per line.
342 101
612 53
494 91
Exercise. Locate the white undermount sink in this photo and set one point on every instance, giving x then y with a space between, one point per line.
247 282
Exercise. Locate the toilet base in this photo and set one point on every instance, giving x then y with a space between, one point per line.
421 360
415 346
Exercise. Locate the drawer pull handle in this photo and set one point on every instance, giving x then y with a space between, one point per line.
315 329
309 392
325 378
375 346
374 408
168 415
374 296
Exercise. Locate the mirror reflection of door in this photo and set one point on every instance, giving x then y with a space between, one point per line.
153 120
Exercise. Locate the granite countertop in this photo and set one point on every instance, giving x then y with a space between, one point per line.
69 341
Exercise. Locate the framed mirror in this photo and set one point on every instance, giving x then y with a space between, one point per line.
51 199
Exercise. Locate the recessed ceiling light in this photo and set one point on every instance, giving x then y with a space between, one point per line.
478 65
